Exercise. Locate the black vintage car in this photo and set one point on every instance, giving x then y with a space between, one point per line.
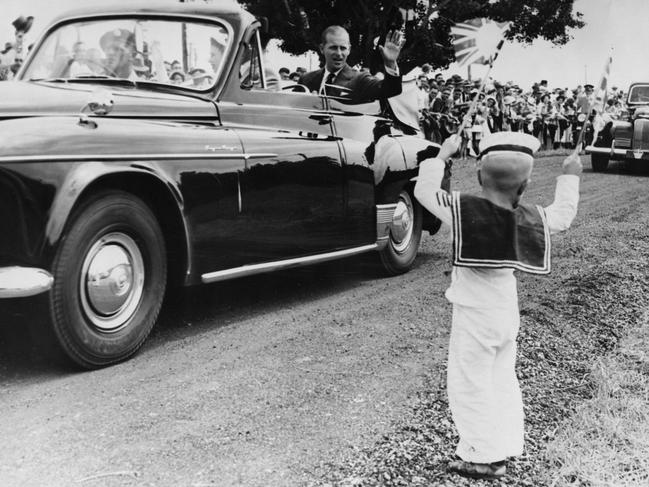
150 144
628 139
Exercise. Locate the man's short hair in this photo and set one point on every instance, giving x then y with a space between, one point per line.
284 70
332 29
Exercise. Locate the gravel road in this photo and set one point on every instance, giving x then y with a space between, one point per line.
274 380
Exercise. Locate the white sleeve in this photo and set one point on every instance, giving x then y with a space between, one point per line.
563 210
428 190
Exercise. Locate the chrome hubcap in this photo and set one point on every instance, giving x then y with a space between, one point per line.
112 281
402 223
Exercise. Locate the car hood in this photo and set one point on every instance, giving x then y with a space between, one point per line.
29 99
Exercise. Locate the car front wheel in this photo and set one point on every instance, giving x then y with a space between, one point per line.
109 280
405 234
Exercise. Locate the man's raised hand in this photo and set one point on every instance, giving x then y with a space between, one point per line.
394 41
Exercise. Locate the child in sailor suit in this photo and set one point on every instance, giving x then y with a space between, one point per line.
493 235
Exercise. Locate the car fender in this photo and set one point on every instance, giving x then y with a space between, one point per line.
73 154
615 129
416 150
85 175
396 162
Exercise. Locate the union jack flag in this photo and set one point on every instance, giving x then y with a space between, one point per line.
478 41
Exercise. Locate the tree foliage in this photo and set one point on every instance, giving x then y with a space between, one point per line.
298 24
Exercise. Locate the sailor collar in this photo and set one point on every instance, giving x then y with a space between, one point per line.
489 236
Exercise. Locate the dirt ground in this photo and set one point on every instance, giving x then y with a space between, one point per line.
265 381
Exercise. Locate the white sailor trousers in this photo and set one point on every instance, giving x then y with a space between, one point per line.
483 391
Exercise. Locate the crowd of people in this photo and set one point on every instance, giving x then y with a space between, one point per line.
13 52
550 114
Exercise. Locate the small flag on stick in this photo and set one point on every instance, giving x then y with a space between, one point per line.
597 104
478 41
601 93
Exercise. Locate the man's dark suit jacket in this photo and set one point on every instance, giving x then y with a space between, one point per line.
357 86
440 106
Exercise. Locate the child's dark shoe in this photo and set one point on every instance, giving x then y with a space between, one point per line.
478 470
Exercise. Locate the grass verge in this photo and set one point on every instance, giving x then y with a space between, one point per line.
606 441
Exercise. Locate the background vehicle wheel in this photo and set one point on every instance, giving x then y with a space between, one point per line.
599 162
399 254
110 274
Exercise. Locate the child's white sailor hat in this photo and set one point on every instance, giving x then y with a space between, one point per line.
513 143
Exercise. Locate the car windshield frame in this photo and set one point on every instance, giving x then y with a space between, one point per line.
220 27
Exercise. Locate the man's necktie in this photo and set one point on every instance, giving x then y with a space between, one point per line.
329 81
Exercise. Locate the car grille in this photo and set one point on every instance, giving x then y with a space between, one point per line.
641 134
622 142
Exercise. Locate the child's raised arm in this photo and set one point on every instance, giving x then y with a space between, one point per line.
428 188
572 165
563 210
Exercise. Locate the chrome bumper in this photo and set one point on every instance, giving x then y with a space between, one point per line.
384 217
614 152
19 282
605 150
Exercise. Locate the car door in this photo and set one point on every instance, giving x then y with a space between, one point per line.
292 186
358 129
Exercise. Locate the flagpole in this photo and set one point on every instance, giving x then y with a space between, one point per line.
590 106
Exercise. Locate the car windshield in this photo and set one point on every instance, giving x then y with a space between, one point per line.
189 54
639 94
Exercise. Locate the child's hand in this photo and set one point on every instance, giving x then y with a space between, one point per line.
449 147
572 165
